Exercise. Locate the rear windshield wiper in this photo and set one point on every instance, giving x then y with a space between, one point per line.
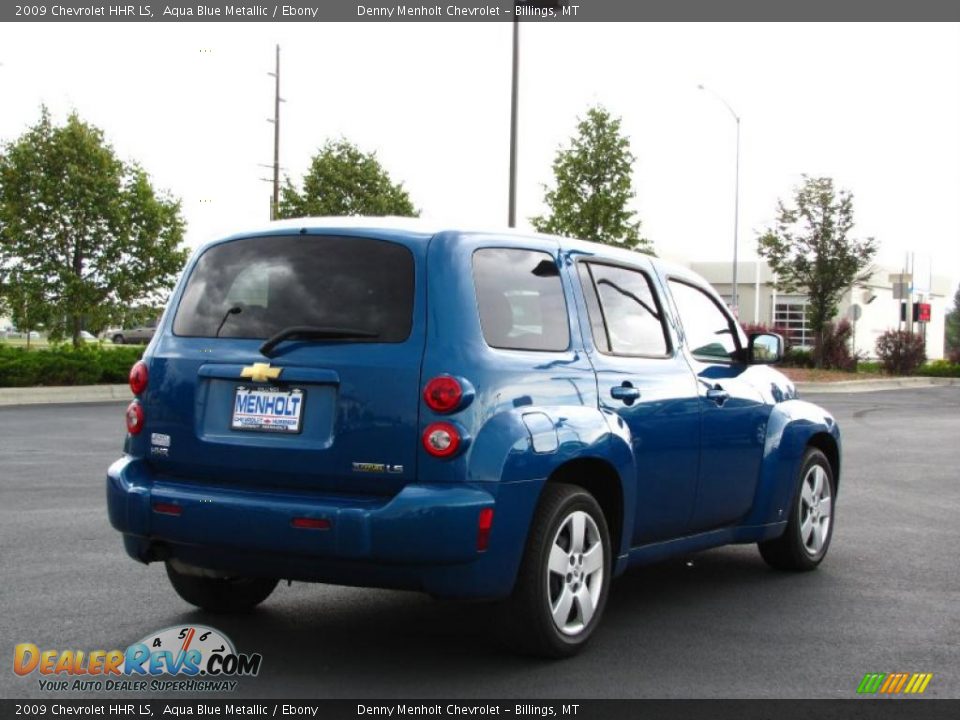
314 333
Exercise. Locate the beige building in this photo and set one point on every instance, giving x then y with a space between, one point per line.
871 307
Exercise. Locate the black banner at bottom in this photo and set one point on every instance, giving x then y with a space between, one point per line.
853 709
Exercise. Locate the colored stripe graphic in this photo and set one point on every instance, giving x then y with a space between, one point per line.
894 683
871 682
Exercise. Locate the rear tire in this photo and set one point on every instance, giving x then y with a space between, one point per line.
564 576
221 595
806 540
118 339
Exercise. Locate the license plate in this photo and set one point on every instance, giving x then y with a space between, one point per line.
272 409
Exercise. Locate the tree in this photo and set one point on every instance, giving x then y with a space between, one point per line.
343 180
594 186
82 234
810 251
952 328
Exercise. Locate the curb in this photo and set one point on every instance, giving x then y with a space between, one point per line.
57 395
858 386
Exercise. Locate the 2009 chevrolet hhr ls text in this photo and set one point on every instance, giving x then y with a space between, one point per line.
470 414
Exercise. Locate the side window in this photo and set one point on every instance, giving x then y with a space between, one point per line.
710 333
521 300
624 314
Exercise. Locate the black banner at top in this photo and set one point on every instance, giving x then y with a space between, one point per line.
479 11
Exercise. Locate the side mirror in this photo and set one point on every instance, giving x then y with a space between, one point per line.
765 349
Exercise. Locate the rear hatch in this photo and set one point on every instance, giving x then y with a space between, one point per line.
333 406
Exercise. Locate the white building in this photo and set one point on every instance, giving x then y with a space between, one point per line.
878 312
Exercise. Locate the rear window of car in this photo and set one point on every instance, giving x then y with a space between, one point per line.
255 287
521 301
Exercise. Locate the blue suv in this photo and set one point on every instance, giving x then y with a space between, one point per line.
477 415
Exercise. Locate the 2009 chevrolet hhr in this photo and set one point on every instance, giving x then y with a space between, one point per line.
471 414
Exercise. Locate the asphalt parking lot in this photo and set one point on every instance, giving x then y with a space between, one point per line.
714 624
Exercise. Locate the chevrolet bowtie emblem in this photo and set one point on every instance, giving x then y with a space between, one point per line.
261 372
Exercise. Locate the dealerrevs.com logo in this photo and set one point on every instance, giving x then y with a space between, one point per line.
204 657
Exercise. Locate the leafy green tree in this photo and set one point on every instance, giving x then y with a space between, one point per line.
953 327
343 180
810 250
594 186
24 297
83 235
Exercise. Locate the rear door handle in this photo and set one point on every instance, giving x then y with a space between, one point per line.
718 395
626 393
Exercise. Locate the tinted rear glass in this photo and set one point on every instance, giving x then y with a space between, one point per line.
521 300
278 282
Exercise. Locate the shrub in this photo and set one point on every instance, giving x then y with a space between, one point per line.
940 368
795 357
953 356
833 347
65 365
901 352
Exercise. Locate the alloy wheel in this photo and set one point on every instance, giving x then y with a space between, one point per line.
575 573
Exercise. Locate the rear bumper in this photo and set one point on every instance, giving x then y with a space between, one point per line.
423 538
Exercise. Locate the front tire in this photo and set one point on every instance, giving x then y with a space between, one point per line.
118 339
564 576
220 595
806 540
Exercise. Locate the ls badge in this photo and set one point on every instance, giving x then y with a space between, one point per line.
366 467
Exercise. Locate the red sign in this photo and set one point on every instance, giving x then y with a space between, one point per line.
923 312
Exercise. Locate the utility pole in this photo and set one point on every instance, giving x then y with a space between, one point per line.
275 205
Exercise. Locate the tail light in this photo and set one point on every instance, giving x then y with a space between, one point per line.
139 377
134 418
167 508
483 533
308 523
443 394
441 439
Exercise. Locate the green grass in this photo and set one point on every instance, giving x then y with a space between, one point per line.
22 342
44 344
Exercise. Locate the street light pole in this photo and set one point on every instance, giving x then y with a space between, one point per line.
512 202
736 201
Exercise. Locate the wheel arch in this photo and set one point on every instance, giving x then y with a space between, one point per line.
601 479
825 443
792 428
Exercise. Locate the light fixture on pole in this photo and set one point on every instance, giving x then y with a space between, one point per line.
735 303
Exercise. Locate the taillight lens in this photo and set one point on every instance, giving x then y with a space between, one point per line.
441 439
167 508
305 523
134 418
443 394
138 377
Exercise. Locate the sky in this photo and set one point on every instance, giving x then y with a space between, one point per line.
874 106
